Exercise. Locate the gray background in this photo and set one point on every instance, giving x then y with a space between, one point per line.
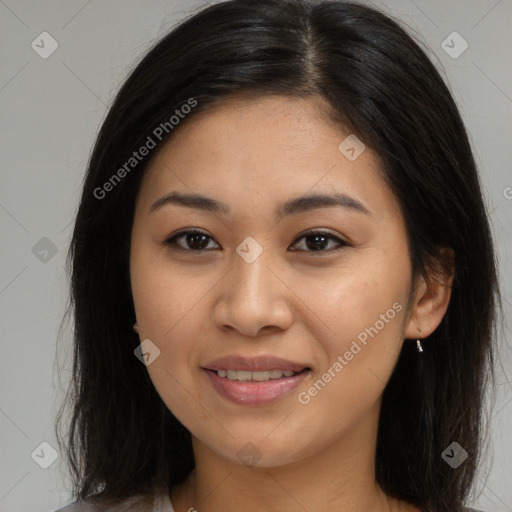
51 110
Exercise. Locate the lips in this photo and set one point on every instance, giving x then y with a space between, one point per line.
255 381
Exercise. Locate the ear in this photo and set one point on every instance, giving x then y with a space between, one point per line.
431 296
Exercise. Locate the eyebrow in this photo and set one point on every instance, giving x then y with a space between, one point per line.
300 204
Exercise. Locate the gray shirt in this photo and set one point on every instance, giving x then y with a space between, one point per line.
162 504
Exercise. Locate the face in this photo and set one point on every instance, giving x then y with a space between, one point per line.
280 321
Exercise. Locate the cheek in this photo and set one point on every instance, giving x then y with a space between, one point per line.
167 306
357 366
358 300
361 314
167 296
170 311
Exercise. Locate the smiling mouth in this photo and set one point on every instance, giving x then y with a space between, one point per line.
255 388
255 381
260 376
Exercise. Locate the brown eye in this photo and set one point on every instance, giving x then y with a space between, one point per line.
317 241
194 241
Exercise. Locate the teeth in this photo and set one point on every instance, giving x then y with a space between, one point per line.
261 376
244 375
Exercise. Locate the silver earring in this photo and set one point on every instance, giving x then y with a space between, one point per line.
418 346
135 327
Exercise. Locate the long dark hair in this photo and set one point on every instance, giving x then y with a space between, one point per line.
379 83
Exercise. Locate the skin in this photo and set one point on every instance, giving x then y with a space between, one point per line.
302 305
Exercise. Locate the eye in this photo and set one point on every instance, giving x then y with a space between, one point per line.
316 241
197 241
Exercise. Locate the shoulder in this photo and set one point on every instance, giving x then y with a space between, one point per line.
160 503
464 509
89 506
79 506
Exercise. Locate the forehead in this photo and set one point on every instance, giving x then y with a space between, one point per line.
265 149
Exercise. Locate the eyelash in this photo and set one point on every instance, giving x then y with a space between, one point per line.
171 241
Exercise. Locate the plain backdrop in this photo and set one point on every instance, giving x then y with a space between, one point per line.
51 110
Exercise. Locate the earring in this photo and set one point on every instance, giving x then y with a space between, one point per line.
136 327
418 346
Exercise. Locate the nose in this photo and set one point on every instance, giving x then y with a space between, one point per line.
253 298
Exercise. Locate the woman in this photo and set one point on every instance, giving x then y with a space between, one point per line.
283 276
